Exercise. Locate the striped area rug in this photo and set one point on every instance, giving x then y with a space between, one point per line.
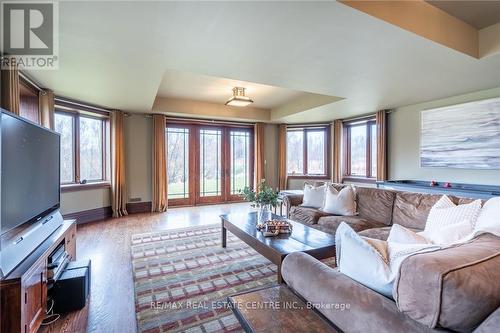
182 278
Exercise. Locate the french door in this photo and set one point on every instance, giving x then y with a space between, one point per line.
208 164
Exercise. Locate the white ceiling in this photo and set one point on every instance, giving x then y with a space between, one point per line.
218 90
115 54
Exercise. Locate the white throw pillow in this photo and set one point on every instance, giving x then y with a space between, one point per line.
400 234
448 222
340 203
372 262
361 261
314 196
489 218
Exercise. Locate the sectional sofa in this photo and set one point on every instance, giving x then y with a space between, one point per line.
455 289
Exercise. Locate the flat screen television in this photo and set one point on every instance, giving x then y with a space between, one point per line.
30 171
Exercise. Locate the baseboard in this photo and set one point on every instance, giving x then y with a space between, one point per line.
90 215
139 207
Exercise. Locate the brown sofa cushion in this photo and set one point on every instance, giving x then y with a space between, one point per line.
375 204
379 233
411 209
357 223
461 285
305 215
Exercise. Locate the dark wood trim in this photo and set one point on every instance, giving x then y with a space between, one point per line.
139 207
84 187
348 125
305 130
90 215
76 146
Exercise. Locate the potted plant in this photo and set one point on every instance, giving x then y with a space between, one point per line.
263 197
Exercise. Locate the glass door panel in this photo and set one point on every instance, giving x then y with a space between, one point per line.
239 161
210 165
178 163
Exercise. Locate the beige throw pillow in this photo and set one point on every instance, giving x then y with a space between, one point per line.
341 202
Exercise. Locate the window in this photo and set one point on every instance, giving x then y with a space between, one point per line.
360 149
178 163
240 160
210 162
84 147
307 152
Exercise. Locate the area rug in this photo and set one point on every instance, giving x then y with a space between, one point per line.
182 278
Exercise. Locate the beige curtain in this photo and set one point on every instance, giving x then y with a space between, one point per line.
260 172
46 108
381 120
159 181
282 174
337 151
118 191
10 94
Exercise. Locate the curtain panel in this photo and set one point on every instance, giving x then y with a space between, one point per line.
260 172
337 151
10 89
118 190
46 108
159 181
381 121
282 172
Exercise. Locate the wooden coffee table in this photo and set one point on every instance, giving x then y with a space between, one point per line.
277 309
316 243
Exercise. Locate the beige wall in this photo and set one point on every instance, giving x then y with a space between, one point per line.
271 154
404 145
138 156
78 201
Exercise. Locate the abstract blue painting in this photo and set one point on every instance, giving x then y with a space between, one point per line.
462 136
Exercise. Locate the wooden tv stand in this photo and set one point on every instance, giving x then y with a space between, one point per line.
23 293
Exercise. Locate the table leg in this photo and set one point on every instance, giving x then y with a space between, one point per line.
280 278
223 234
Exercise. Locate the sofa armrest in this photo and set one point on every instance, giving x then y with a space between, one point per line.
293 200
445 275
490 324
349 305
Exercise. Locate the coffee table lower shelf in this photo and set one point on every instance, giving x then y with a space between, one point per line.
277 309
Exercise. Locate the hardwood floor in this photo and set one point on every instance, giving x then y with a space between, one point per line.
107 243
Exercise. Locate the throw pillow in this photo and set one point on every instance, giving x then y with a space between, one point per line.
448 222
400 234
314 196
489 218
375 263
341 202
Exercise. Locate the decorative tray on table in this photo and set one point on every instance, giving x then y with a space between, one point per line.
274 228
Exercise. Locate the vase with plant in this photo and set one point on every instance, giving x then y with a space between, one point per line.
263 197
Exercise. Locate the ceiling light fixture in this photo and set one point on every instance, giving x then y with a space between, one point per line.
239 98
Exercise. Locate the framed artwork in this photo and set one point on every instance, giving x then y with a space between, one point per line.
461 136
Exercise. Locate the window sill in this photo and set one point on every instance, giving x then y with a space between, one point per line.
319 177
83 187
359 180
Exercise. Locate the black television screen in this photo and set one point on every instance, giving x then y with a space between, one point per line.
30 183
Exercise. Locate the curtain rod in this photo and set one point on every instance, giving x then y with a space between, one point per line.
307 125
365 116
81 104
30 81
210 121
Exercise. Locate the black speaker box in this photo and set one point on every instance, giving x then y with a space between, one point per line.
71 290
